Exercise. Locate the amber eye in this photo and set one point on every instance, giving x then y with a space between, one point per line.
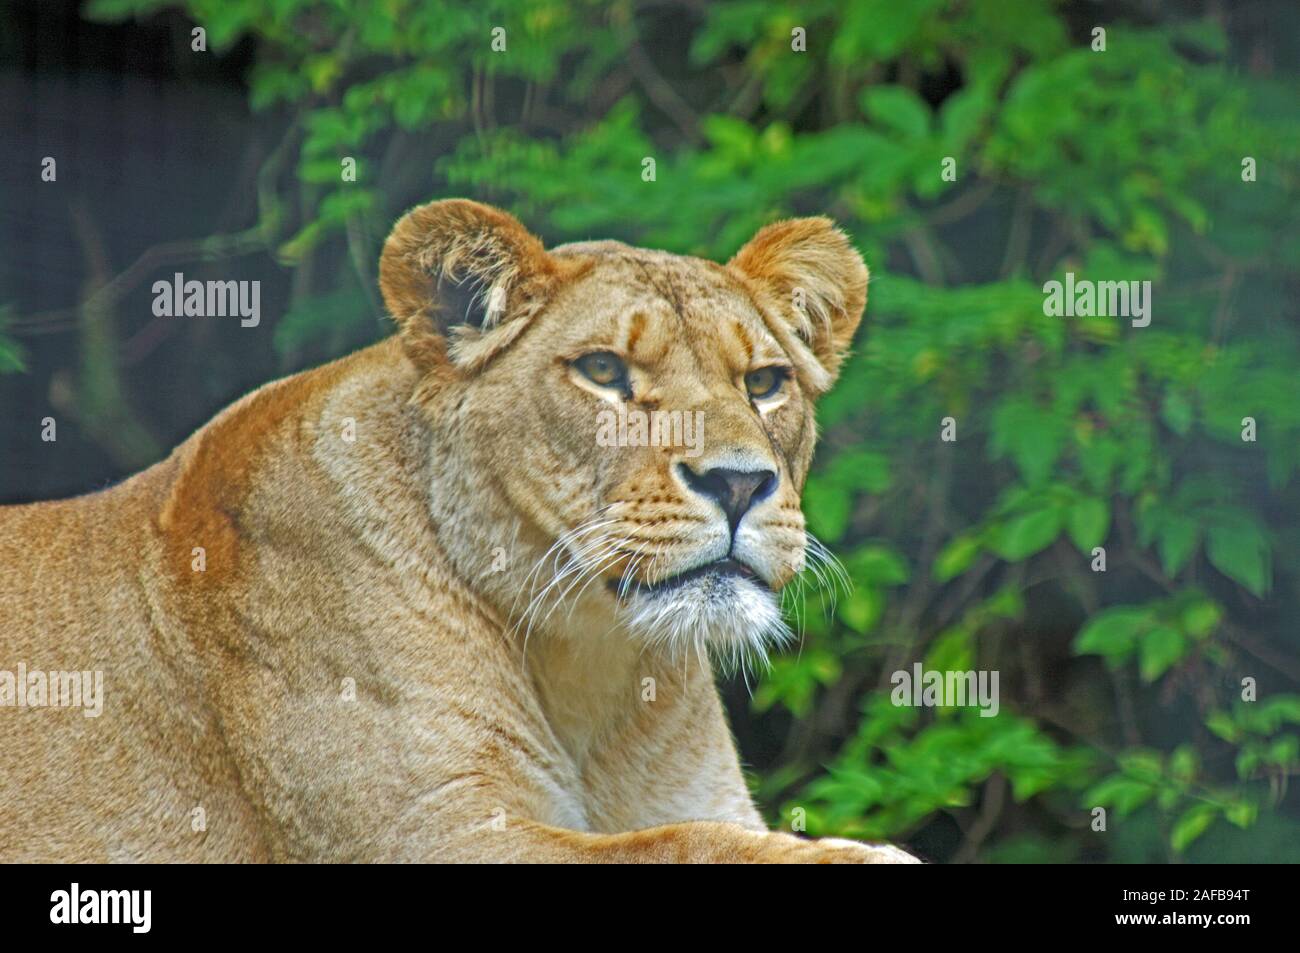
603 368
765 381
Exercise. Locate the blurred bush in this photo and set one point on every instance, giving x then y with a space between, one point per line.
1120 689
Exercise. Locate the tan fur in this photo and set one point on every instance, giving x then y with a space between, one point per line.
404 561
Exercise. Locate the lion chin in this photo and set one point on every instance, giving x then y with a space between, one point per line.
731 616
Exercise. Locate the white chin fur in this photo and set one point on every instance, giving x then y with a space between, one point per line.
732 619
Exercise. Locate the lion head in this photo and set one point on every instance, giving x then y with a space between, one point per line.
623 433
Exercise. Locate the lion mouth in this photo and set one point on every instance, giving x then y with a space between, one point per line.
718 569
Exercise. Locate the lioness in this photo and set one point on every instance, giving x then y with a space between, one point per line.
407 606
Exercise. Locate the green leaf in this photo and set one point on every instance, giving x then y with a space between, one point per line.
1200 617
827 507
1283 751
1221 723
1192 825
961 115
955 558
1184 762
1241 813
860 610
1159 649
1113 633
1240 552
1120 792
1025 535
951 652
11 353
864 470
11 356
793 680
898 108
1142 763
1088 522
1098 461
877 565
1031 434
1007 603
1177 542
1281 709
1177 412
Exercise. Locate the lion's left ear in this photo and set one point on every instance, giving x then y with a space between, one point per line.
462 280
813 279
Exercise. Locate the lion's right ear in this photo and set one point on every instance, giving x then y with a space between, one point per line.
462 280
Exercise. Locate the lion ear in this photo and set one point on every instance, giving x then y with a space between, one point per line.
813 279
462 281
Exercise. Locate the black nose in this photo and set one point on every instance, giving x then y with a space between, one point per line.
733 490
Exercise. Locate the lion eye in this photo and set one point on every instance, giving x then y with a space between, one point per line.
603 368
765 381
